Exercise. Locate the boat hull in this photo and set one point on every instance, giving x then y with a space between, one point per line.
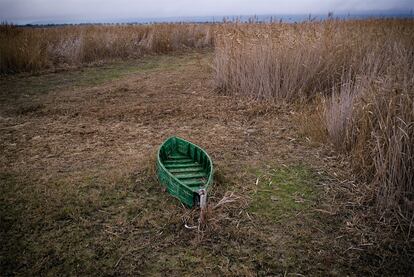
185 169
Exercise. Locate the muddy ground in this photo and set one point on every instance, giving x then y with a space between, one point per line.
79 195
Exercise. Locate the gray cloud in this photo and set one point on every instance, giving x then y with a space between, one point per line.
26 10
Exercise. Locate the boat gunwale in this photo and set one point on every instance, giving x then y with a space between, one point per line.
209 180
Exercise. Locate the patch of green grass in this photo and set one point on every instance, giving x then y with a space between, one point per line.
283 192
56 227
87 76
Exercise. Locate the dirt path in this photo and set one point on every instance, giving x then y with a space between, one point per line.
79 197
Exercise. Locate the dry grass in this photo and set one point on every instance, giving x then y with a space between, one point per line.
24 49
363 72
79 195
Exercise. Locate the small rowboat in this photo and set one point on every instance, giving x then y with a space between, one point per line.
186 170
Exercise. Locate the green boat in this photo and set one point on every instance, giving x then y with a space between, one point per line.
186 170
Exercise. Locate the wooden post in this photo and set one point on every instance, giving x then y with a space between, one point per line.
203 205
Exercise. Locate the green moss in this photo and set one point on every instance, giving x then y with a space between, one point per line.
283 192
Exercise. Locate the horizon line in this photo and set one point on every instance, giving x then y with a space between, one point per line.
211 18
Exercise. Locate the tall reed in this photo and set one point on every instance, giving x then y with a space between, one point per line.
28 49
364 72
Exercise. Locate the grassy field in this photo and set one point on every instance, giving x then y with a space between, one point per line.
79 196
309 126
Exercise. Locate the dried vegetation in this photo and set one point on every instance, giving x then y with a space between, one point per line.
79 194
34 49
358 73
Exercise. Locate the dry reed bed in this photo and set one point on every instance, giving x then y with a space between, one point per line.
358 73
26 49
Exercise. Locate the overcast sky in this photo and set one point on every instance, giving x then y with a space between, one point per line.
32 10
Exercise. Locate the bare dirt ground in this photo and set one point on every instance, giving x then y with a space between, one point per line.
79 195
